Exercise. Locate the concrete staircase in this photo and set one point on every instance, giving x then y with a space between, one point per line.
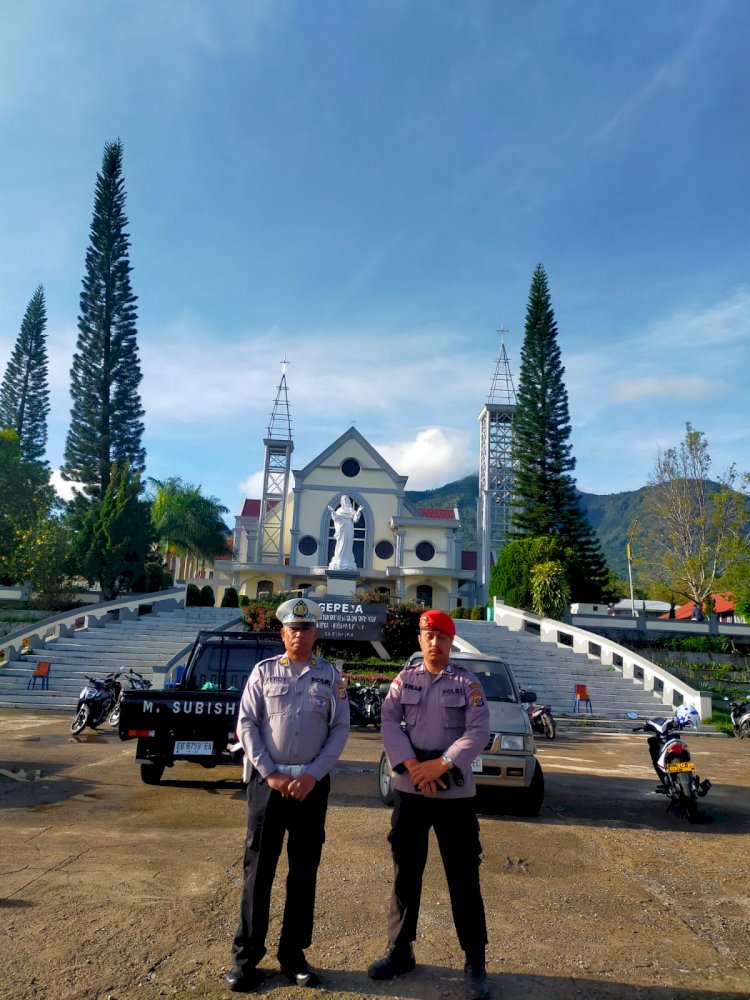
553 671
146 644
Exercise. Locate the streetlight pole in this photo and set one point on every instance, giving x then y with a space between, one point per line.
630 566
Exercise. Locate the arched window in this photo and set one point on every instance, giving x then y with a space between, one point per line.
424 595
264 590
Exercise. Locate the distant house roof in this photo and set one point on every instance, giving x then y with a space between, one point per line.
723 605
469 560
439 513
640 605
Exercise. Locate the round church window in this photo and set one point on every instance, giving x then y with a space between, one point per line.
384 549
307 545
425 551
350 467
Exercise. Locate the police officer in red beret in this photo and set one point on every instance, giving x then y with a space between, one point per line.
435 722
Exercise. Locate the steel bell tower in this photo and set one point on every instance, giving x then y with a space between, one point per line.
496 469
276 472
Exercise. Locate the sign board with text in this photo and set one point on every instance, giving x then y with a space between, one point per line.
348 618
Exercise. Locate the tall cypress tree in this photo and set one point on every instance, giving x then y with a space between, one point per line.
105 424
545 498
24 394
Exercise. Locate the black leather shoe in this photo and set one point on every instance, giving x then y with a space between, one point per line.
476 983
297 971
398 960
243 980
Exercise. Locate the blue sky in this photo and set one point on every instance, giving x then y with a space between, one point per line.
365 189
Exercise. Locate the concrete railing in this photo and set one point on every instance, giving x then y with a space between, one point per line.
32 637
666 686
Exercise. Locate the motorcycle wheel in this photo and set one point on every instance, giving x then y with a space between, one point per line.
151 773
744 732
549 727
114 716
688 802
81 720
385 781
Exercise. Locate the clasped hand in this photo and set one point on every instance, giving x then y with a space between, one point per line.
291 788
426 776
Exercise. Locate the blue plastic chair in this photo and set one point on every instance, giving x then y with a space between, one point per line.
582 695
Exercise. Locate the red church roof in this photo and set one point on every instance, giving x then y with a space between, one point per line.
438 513
251 508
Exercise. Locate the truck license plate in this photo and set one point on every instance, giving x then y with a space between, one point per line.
194 748
476 765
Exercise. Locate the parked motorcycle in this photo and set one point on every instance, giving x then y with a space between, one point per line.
130 681
364 704
740 715
96 701
542 721
672 762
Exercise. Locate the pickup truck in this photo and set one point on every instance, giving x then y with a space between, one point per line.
194 718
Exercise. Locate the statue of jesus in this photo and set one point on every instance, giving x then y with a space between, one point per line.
344 518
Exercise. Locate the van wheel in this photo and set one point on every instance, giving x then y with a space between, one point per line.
528 801
385 781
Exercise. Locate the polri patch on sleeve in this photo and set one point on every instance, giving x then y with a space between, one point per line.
477 700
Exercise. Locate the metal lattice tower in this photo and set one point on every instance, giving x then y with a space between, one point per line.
496 468
276 470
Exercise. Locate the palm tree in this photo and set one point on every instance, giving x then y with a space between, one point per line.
188 525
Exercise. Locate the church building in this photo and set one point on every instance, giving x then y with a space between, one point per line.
400 550
290 539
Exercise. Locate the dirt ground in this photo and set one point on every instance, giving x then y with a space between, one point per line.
113 889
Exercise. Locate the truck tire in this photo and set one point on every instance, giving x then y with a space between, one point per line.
151 773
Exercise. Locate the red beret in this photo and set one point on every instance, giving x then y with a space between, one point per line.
437 621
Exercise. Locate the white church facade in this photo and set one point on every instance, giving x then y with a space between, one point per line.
285 540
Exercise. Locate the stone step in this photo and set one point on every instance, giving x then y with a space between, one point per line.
552 672
145 644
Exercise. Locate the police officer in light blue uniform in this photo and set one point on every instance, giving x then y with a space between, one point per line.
435 722
293 724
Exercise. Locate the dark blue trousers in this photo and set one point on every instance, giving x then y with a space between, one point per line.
457 831
269 817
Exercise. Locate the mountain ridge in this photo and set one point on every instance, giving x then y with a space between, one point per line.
610 514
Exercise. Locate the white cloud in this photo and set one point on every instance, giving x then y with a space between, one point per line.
63 488
252 487
690 387
725 323
437 455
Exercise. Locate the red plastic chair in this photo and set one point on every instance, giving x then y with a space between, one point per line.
41 672
582 695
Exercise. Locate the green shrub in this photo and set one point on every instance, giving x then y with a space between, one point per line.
207 598
244 600
550 591
400 630
193 596
457 613
478 613
230 599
